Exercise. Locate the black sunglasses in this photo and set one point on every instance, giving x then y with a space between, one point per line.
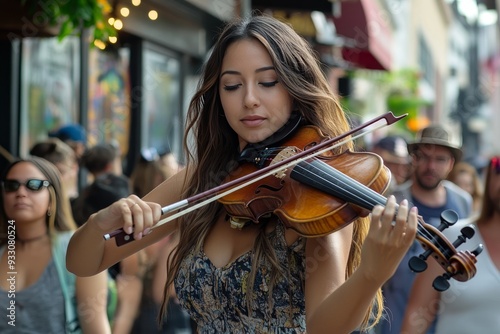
31 184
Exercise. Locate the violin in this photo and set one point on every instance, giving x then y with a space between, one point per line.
324 194
315 197
319 194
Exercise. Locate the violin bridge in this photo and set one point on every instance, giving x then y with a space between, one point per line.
284 154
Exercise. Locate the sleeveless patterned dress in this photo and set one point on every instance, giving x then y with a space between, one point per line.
216 297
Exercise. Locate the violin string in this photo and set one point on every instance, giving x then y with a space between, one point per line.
349 183
367 201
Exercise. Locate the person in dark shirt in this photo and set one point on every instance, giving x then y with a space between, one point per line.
433 156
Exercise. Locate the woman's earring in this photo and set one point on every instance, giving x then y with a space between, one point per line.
49 213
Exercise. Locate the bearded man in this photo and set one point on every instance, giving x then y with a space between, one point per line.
433 157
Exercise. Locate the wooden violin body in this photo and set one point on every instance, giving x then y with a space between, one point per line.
306 209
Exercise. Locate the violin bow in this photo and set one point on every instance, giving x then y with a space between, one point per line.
259 174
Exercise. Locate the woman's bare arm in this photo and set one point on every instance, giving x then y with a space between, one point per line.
88 252
334 305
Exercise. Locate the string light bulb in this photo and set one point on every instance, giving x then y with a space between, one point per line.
153 15
118 24
124 11
99 44
136 2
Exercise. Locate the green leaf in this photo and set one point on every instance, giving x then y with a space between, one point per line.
67 28
71 15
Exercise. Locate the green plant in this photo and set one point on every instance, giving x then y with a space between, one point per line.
73 16
402 95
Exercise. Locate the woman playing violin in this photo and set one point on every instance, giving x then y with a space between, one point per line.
262 277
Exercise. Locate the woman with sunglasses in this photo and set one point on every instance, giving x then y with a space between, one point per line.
472 306
35 226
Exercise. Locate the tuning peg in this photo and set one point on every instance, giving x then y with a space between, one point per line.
478 250
467 233
448 218
418 263
441 283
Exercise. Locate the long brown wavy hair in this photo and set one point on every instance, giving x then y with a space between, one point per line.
488 206
61 218
209 135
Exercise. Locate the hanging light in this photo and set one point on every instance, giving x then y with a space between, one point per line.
100 44
118 24
153 15
124 11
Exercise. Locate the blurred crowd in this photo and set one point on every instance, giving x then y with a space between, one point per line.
134 286
430 173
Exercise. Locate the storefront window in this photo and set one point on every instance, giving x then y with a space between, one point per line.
109 97
49 87
162 123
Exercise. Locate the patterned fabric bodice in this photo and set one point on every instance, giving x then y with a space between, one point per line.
216 298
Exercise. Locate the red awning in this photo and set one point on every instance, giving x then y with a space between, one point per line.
364 22
360 20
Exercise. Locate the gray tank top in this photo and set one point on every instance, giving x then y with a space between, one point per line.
38 309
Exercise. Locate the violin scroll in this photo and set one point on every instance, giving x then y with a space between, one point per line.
461 268
459 265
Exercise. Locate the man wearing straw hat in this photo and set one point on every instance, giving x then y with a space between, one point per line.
432 158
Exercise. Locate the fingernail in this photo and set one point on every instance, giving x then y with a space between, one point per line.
404 202
139 236
129 230
147 231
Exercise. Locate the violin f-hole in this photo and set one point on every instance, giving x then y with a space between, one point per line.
260 188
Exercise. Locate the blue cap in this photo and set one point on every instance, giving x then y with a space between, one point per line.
74 132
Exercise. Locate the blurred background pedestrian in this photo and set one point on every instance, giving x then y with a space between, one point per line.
64 158
466 177
433 156
72 134
465 307
393 151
